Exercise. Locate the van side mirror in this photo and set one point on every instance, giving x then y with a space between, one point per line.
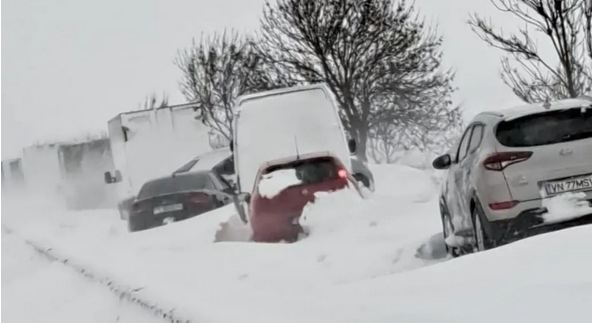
112 178
442 162
108 178
352 145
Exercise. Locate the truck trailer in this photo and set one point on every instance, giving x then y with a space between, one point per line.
147 144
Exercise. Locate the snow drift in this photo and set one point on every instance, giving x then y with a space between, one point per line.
373 260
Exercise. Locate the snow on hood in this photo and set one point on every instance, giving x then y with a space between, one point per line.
275 182
565 207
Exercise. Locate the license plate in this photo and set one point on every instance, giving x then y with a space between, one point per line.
569 185
168 208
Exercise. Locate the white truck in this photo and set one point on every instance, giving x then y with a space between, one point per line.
69 172
147 144
12 174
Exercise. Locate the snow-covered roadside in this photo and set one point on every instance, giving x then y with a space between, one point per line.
35 289
363 261
565 207
180 265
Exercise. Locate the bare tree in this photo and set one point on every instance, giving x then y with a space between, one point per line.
384 140
216 71
588 17
531 75
433 134
378 58
152 102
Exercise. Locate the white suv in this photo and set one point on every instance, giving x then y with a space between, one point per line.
507 164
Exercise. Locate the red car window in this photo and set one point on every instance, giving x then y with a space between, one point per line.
310 171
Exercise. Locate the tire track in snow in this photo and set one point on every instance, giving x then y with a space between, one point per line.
123 291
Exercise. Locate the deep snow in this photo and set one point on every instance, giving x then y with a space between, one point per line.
379 259
565 207
35 289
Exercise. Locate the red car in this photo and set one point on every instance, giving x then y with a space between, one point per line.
274 217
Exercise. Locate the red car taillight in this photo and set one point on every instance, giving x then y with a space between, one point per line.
198 198
503 205
342 173
499 161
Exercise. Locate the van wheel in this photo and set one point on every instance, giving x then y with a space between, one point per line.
481 240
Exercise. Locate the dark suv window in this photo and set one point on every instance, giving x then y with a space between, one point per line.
546 128
311 171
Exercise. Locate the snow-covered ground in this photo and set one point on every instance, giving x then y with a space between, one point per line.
35 289
379 259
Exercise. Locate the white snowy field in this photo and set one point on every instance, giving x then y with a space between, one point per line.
375 260
37 290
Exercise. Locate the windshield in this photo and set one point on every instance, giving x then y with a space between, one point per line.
546 128
174 184
310 171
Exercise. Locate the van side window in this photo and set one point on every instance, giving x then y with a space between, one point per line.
464 145
476 138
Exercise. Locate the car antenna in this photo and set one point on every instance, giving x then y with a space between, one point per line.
296 145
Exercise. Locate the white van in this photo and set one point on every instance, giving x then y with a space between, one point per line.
284 123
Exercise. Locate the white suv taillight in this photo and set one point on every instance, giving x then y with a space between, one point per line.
499 161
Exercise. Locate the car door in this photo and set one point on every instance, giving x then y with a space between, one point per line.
466 165
455 180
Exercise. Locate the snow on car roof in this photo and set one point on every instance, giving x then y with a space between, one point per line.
524 110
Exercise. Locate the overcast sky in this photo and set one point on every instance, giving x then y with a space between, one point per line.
70 65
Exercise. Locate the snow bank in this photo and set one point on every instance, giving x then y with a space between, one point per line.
37 290
405 182
349 239
565 207
415 158
362 261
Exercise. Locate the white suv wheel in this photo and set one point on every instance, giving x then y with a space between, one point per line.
447 227
480 239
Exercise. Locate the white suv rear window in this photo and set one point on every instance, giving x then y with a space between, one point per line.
546 128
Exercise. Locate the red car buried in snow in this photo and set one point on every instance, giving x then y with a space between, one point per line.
282 189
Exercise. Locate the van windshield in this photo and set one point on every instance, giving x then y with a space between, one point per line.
546 128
